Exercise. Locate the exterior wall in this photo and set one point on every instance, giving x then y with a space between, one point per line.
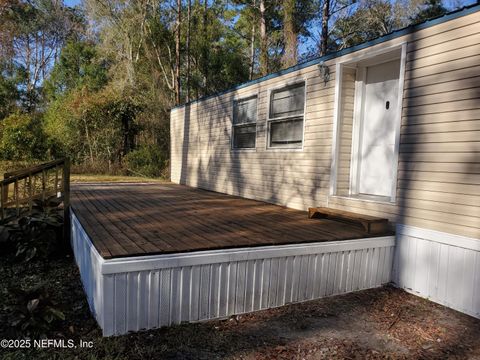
439 161
439 266
140 293
89 263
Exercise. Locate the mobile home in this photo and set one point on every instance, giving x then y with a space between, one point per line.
389 128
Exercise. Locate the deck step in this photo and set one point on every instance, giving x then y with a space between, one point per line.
371 224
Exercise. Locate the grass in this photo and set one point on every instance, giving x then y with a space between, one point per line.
86 178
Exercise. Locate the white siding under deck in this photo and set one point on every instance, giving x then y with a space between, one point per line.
139 293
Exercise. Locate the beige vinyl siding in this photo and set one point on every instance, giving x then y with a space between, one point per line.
438 184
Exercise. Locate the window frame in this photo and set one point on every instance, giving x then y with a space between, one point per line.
270 120
233 125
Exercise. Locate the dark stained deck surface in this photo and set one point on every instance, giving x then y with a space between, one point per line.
145 219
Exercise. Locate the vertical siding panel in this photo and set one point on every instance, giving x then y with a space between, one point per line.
316 278
266 283
273 285
289 280
176 298
310 276
232 288
215 291
356 269
324 274
434 269
476 286
205 285
165 296
282 281
468 280
120 303
142 308
186 293
257 290
195 294
132 301
240 292
249 285
422 262
109 304
443 273
223 290
153 299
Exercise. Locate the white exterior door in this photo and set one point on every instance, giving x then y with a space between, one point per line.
378 130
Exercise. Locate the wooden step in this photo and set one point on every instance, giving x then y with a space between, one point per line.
371 224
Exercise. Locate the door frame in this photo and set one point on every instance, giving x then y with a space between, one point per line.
358 112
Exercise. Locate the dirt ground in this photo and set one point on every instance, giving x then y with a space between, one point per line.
371 324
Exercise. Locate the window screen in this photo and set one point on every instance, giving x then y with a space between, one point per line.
244 123
288 101
286 117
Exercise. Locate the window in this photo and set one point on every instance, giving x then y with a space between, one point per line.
244 123
285 122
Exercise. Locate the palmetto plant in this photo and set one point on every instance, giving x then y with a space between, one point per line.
35 235
33 312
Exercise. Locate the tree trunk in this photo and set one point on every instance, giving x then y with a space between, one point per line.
289 34
177 52
252 42
187 45
205 47
263 41
324 35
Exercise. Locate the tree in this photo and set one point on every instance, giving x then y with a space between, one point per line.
22 138
428 10
79 65
34 33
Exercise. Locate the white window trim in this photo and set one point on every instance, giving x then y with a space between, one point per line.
232 125
269 120
357 116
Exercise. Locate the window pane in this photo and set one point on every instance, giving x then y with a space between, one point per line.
245 111
288 101
288 133
244 136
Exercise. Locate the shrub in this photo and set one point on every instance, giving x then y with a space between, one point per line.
22 138
36 235
33 313
148 161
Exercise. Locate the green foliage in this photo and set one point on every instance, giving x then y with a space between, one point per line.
22 138
92 126
79 65
37 235
33 313
148 161
428 10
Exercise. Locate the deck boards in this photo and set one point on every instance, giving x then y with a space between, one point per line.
145 219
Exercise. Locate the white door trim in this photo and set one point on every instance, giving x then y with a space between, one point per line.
357 114
357 111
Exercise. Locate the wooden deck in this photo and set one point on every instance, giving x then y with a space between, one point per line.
145 219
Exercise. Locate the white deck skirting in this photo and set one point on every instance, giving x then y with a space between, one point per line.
137 293
442 267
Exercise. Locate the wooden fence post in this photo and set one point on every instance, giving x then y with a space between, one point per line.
66 202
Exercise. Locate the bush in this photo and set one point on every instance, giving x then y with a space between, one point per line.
34 313
148 161
22 138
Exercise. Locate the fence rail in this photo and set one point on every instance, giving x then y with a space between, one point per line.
21 188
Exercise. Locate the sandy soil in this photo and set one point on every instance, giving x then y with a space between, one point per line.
371 324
